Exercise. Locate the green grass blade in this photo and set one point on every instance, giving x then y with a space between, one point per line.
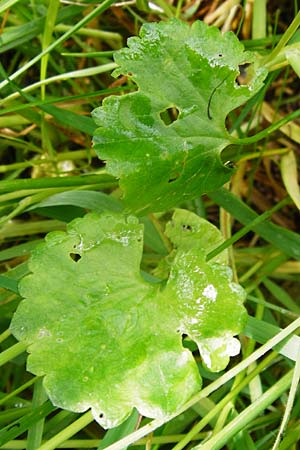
18 427
92 200
88 72
290 401
5 4
98 10
11 353
19 35
119 432
285 240
281 295
259 19
12 394
245 417
262 331
9 283
101 180
251 226
18 250
68 432
34 436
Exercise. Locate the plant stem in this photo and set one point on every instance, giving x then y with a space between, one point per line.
4 336
267 131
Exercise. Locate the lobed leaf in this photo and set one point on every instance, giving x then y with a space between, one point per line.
164 141
107 339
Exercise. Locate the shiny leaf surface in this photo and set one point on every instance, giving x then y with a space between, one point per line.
164 141
106 339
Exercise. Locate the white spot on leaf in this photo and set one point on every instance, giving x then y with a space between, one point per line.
44 333
210 292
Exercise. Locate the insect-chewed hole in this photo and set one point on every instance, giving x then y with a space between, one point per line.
75 257
186 227
229 164
243 76
169 115
173 177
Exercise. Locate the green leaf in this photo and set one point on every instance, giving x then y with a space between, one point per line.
107 339
187 230
183 71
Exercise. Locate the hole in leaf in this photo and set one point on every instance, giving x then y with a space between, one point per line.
243 77
229 164
169 115
75 257
186 227
174 177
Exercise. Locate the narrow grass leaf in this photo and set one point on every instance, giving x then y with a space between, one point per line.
289 174
21 425
14 37
62 116
247 415
87 18
88 72
290 401
119 432
47 36
291 438
101 180
9 283
293 57
35 432
5 4
92 200
69 118
262 331
259 19
259 219
285 240
13 395
68 432
281 295
18 250
9 354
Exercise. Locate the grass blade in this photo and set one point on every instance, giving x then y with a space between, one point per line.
285 240
289 174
